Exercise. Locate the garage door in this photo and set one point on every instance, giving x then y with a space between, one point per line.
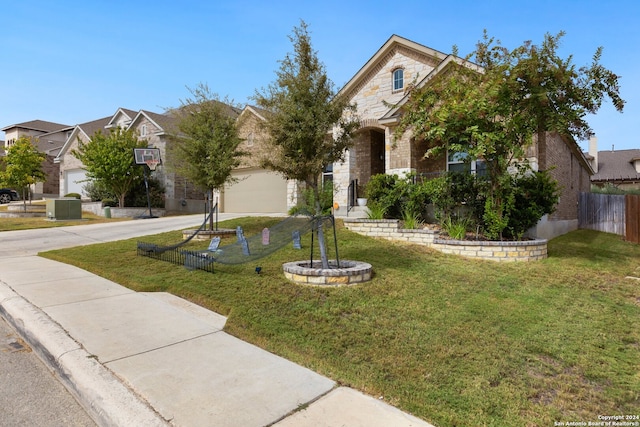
257 190
74 181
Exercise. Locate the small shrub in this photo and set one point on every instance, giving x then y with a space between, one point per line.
399 194
96 192
137 197
74 195
382 190
534 196
410 219
375 210
456 228
110 202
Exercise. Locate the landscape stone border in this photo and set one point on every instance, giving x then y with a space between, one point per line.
349 273
525 250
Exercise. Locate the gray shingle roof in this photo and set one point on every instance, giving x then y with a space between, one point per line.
95 125
617 166
39 125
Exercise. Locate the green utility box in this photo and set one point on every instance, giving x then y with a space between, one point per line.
64 209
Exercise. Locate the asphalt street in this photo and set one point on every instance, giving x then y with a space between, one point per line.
30 395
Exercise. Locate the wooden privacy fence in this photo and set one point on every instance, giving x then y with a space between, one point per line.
618 214
632 218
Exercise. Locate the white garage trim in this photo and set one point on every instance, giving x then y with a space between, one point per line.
257 190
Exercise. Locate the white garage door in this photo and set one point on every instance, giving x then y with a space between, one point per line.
74 181
257 190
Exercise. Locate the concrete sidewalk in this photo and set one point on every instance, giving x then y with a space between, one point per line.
148 359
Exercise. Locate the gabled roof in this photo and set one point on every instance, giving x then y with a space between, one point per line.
260 113
87 129
164 122
617 166
38 125
427 55
50 144
129 114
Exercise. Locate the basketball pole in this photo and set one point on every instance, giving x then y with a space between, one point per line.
146 185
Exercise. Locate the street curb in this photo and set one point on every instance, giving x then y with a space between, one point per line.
105 398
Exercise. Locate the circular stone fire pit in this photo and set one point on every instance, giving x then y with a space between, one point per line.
349 273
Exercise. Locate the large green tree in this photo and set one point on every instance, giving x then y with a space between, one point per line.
109 161
205 148
23 166
553 91
309 127
491 108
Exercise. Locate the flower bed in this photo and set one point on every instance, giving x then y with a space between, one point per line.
526 250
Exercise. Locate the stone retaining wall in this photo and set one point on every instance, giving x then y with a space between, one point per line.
527 250
96 208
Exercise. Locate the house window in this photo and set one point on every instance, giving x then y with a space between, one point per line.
458 161
327 174
143 130
398 79
250 140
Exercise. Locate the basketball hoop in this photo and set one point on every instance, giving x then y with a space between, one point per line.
149 156
152 163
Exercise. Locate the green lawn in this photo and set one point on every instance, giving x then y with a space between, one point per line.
12 224
454 341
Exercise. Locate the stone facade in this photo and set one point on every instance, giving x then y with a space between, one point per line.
375 149
379 111
527 250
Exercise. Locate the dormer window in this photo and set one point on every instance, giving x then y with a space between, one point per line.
398 79
143 130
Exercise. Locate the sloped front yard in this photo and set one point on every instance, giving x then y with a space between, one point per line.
457 342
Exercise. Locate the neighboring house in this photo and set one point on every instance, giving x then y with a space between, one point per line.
48 137
72 173
382 82
180 195
153 127
618 168
256 189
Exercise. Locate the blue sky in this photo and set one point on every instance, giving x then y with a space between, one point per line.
75 61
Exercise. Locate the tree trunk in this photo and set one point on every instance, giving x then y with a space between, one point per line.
321 243
210 197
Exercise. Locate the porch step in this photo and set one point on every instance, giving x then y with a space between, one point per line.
355 212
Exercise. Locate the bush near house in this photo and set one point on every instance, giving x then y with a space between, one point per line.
460 199
137 197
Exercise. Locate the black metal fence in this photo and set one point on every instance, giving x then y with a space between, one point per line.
192 260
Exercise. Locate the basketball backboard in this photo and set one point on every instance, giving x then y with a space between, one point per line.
147 156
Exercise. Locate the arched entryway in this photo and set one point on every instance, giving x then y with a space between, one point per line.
370 155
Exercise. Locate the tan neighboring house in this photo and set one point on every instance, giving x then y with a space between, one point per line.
48 137
72 172
618 168
381 83
150 126
256 190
